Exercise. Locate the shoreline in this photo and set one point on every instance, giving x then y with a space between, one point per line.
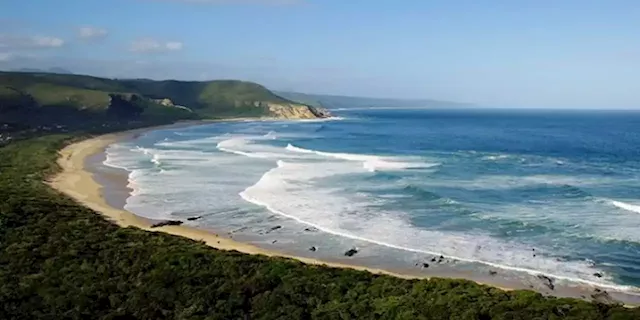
80 184
76 182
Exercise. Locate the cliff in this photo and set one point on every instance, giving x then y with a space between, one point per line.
291 111
164 102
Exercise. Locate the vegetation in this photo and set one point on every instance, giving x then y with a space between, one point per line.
35 102
60 260
209 99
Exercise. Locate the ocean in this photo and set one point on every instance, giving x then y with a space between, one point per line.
476 191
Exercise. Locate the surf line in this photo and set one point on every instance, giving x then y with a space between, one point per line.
280 164
224 146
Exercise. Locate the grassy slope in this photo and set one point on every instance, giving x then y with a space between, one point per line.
60 260
208 99
33 101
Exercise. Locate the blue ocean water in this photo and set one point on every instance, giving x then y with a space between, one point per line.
555 192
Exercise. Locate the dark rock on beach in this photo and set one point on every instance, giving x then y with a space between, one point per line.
351 252
425 265
547 281
313 249
194 218
598 275
239 230
166 223
311 229
493 273
274 229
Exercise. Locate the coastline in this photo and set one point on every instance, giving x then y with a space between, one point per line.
76 181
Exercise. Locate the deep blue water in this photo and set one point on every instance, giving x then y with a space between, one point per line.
549 191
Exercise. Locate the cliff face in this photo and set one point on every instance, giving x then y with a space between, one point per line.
164 102
296 111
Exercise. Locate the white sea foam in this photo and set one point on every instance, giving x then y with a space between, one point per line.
143 150
369 162
293 189
197 175
156 159
496 157
288 190
321 119
593 218
243 145
626 206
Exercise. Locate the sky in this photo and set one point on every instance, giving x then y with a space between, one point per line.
502 53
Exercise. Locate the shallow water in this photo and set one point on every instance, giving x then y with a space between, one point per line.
526 193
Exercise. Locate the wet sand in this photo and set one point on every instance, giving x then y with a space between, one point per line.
105 192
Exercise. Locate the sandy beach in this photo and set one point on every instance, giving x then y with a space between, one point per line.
76 181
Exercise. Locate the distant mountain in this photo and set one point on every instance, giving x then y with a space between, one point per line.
59 70
344 102
50 70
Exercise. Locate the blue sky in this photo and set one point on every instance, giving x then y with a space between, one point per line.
567 54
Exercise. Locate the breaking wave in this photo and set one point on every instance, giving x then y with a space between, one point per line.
370 162
286 190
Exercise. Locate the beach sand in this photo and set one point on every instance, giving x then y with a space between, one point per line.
76 181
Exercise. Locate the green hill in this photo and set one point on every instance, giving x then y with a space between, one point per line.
54 98
211 98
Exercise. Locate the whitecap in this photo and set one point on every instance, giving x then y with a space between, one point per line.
369 162
626 206
289 190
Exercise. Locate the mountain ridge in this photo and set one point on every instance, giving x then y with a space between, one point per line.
204 99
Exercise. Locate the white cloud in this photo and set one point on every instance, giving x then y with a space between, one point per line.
148 45
17 42
174 45
91 33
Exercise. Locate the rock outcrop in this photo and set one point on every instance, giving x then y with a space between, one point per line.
166 223
164 102
351 252
296 111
